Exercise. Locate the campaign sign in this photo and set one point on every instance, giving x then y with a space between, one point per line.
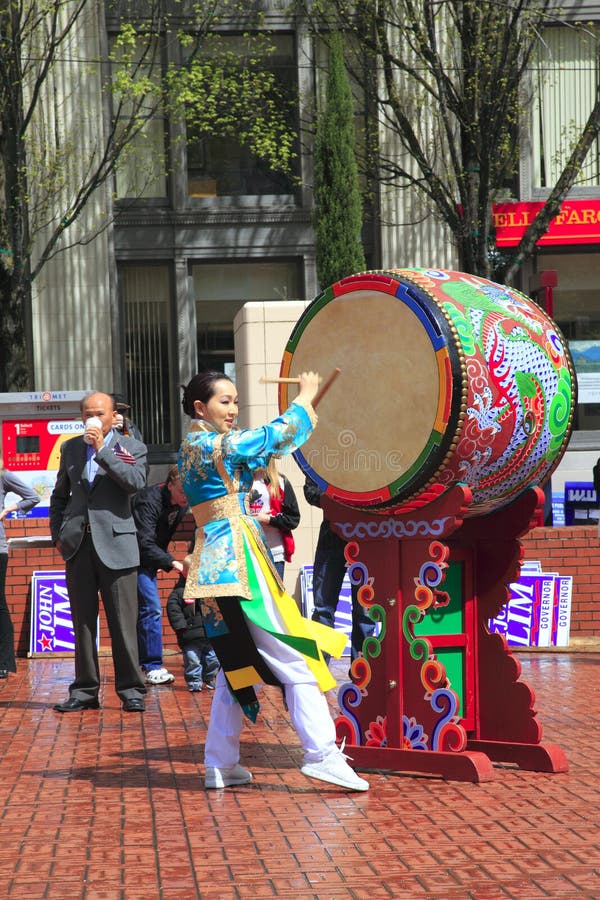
51 623
581 503
538 612
564 591
343 613
558 509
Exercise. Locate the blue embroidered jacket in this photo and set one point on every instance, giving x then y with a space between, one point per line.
216 471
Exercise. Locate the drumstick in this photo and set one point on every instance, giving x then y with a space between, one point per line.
326 387
279 380
320 394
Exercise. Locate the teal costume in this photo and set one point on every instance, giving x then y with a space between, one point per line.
231 570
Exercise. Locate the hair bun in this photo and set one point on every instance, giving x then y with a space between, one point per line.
200 387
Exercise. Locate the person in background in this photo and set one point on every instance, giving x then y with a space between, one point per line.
157 512
200 661
255 627
9 483
123 423
328 574
273 503
92 527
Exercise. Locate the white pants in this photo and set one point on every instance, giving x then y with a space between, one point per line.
307 706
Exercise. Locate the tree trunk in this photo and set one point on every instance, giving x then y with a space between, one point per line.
14 370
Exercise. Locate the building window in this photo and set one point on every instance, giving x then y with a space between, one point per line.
221 290
145 297
565 77
577 313
222 166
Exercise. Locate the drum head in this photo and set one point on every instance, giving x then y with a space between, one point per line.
382 420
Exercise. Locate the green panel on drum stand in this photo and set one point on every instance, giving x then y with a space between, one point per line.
452 659
448 619
444 626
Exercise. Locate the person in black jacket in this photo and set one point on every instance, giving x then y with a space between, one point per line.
328 574
157 511
199 659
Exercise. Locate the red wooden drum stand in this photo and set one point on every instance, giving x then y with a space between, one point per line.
435 692
456 396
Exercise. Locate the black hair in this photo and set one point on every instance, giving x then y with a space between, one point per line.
120 401
201 387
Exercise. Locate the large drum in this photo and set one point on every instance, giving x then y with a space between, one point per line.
445 378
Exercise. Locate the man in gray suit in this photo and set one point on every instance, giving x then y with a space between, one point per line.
93 529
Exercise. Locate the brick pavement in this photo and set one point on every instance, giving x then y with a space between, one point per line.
110 806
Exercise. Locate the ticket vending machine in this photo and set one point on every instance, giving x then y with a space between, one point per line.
33 427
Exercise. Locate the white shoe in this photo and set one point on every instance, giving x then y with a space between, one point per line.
159 676
226 777
335 769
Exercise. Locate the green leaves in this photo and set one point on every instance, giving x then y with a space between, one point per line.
217 87
228 90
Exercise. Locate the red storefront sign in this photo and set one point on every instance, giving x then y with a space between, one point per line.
578 222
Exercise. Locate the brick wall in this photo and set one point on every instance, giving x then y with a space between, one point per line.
22 561
570 551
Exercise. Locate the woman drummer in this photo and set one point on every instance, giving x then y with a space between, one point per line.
254 626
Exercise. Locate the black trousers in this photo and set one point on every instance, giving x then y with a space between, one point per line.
7 631
86 576
328 574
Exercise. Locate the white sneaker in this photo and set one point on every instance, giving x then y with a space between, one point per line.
226 777
159 676
335 769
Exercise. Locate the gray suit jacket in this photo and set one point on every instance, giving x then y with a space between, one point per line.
104 505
